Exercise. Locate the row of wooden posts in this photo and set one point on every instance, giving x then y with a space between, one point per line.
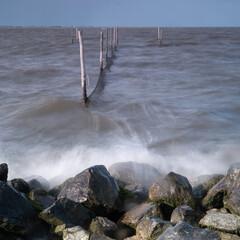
113 44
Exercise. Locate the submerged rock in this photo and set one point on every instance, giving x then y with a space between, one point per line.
185 231
174 190
20 185
3 172
131 172
16 212
95 188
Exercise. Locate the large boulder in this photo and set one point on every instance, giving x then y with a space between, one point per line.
135 215
3 172
41 197
16 212
37 182
131 172
151 227
185 231
20 185
54 191
184 213
95 188
65 211
224 222
174 190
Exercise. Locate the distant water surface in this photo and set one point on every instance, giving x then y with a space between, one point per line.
175 107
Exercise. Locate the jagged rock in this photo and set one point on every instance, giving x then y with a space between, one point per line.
65 211
184 213
134 173
174 190
227 236
37 182
3 172
134 215
96 236
151 227
134 238
103 226
214 197
139 190
202 184
20 185
15 210
185 231
57 189
224 222
95 188
76 233
41 197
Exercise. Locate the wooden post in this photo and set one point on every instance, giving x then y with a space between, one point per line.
72 36
117 35
160 36
106 45
111 41
101 51
114 39
82 63
77 36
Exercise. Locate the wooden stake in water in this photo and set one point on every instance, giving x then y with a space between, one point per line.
111 41
77 36
114 39
101 51
106 45
117 35
82 63
72 36
160 36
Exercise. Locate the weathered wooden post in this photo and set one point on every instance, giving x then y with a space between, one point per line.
101 51
160 36
114 39
117 35
111 41
77 36
72 35
82 63
106 45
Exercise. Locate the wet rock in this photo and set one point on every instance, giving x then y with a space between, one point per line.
95 188
151 227
224 222
185 231
174 190
3 172
214 197
41 197
37 182
184 213
15 210
76 233
103 226
135 215
134 173
65 211
96 236
20 185
57 189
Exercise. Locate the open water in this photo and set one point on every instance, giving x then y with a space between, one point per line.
176 107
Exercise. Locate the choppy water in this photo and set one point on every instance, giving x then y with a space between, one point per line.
175 107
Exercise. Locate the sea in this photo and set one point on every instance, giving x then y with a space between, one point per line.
175 107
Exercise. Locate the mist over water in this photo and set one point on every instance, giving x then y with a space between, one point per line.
176 107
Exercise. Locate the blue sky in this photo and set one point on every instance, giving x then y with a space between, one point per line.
129 13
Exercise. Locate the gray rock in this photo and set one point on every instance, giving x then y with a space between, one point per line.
96 236
184 213
95 188
133 217
227 236
15 210
41 197
76 233
65 211
57 189
20 185
225 222
139 190
3 172
174 190
134 173
37 182
151 227
184 231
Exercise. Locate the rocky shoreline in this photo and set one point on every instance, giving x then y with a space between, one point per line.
130 201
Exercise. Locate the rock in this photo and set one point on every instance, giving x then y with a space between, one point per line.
214 197
35 182
184 231
224 222
57 189
232 202
135 215
174 190
41 197
16 212
134 238
184 213
96 236
151 227
65 211
95 188
139 190
131 172
20 185
76 233
227 236
103 226
3 172
202 184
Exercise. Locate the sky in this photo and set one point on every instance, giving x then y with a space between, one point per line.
122 13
